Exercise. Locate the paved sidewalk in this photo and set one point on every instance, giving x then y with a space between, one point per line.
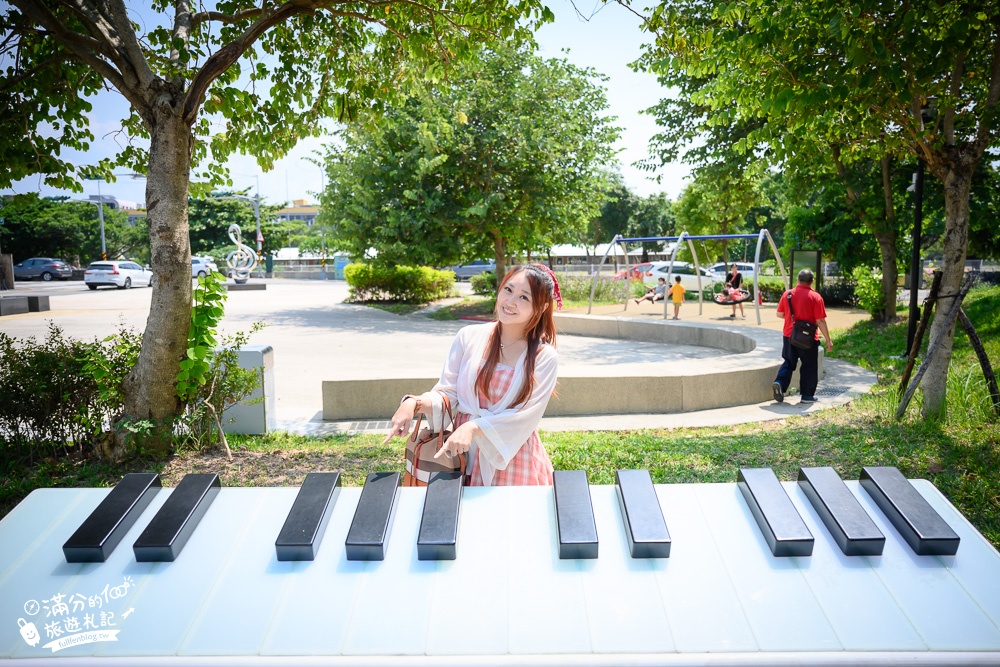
317 337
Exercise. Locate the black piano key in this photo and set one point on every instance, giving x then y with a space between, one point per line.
438 535
919 524
784 530
304 526
849 525
577 529
173 525
369 532
101 532
645 526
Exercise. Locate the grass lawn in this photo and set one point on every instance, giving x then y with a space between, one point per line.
960 455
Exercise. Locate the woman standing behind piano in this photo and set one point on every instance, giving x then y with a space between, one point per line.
499 377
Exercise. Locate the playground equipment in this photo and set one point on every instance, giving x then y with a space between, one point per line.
763 235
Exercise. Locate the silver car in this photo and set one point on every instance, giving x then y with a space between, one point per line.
121 274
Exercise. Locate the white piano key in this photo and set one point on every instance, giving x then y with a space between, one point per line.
866 620
936 603
247 590
704 611
474 586
313 613
624 608
548 611
393 602
30 568
977 563
777 601
169 598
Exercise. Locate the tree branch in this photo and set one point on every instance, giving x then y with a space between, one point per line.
222 59
955 89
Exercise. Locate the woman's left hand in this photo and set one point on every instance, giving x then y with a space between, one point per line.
460 440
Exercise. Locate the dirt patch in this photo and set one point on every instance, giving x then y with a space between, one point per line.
270 468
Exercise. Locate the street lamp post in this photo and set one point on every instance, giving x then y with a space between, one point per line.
100 216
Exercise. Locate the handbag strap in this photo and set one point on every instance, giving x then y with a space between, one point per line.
790 310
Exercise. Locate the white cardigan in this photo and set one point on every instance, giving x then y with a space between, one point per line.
505 427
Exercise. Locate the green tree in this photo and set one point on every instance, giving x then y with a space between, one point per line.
69 230
617 211
269 73
718 201
509 159
871 81
653 216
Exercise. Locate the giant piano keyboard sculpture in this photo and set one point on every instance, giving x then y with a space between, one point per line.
819 571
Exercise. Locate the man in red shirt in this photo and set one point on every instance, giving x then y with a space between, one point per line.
806 305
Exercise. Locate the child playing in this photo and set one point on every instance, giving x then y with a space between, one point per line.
654 294
677 295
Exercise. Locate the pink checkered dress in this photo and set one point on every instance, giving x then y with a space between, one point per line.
531 464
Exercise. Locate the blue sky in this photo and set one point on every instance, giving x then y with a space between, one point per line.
607 40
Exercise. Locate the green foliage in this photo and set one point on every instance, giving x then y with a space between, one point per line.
771 288
868 289
576 289
409 284
267 87
206 313
485 284
68 230
69 392
225 385
507 159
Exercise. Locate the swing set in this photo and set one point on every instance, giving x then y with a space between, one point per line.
727 300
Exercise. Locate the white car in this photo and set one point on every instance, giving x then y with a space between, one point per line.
120 274
721 270
202 266
658 270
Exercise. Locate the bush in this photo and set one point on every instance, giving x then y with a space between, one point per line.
485 284
771 288
868 289
577 288
54 404
409 284
67 397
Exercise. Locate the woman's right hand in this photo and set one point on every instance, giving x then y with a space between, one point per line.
401 419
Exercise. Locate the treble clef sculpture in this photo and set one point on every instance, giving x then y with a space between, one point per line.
243 260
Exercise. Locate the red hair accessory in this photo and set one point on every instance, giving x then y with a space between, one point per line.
556 294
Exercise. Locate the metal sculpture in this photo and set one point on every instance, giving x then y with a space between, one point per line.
243 260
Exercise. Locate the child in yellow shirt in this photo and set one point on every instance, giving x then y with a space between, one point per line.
677 294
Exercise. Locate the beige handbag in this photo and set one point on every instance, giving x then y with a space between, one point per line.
423 444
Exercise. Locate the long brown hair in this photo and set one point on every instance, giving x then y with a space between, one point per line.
541 328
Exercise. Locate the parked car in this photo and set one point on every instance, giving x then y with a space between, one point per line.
689 279
720 270
466 271
121 274
637 272
202 266
45 268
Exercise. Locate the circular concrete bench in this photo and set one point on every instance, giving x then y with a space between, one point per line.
741 374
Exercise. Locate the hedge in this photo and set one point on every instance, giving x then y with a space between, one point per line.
407 284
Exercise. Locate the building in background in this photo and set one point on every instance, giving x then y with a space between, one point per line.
299 210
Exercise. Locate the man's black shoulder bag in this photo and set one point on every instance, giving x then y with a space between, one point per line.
803 332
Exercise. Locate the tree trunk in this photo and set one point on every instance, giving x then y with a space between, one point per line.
957 178
500 256
150 387
887 238
890 276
